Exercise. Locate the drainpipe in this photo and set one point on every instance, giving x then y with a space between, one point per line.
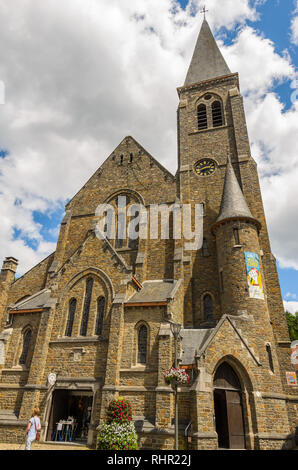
186 433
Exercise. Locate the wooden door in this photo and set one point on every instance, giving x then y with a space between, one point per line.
221 419
235 420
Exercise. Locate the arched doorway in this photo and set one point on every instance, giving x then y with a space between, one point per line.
228 408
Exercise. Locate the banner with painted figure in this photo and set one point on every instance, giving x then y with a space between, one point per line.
254 278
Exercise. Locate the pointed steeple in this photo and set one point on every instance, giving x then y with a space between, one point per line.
207 61
233 204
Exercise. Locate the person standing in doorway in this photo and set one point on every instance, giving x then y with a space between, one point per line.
33 428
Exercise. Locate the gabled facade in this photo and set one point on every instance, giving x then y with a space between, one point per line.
96 313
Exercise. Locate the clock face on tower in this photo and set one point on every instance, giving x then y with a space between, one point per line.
205 167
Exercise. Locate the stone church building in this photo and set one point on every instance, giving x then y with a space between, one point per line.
92 321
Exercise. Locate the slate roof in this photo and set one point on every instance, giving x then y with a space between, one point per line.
155 291
39 300
233 203
207 61
195 342
192 341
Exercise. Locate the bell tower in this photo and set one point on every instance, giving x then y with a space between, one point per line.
211 126
213 145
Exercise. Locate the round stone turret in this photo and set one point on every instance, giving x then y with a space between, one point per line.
238 250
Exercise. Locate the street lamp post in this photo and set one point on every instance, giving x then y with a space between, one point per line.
175 329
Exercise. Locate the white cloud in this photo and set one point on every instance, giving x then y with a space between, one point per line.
291 306
294 27
273 134
259 66
289 295
79 80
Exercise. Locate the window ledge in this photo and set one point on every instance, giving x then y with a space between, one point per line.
77 339
209 129
137 368
16 369
122 250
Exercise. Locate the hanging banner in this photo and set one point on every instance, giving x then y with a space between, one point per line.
291 378
254 278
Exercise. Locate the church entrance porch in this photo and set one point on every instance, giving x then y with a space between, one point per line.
228 409
70 416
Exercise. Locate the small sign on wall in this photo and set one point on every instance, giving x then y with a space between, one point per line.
291 378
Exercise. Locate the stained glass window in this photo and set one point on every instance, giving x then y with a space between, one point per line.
270 359
26 343
205 248
142 344
208 307
71 313
100 315
134 232
87 302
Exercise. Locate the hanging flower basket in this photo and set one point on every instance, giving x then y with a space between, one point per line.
176 376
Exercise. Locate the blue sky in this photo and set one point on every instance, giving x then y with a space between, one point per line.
62 111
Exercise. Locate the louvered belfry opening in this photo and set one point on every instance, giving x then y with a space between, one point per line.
202 117
217 114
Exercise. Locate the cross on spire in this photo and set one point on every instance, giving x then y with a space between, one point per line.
204 11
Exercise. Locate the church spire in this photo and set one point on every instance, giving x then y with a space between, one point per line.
233 203
207 61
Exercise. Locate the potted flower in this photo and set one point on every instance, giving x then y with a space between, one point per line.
118 432
176 376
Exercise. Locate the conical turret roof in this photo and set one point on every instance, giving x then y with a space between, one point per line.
207 61
233 203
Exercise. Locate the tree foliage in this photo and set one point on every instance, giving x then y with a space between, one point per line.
292 321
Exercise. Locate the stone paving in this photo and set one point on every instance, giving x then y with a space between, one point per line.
42 446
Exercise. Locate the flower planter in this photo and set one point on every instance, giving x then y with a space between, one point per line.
118 432
176 376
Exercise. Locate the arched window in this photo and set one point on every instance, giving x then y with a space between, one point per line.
71 313
134 229
202 117
100 315
205 248
236 236
270 359
26 343
126 221
208 307
84 324
142 344
217 114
